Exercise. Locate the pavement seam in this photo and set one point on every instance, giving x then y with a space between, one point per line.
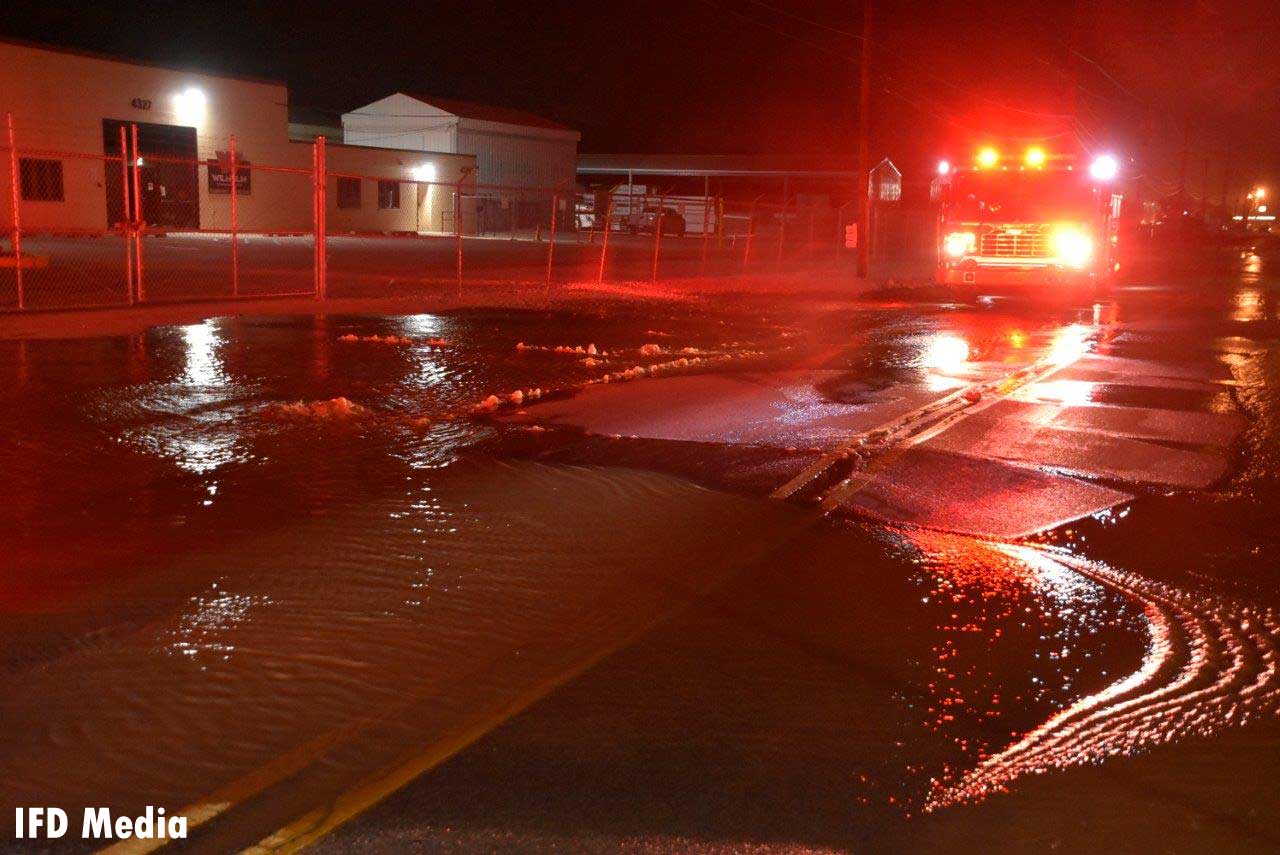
928 421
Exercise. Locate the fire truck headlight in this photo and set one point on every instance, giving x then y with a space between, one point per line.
957 244
1104 168
1072 246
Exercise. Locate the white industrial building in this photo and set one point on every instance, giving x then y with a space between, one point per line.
512 148
68 108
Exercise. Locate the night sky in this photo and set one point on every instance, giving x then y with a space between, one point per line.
763 76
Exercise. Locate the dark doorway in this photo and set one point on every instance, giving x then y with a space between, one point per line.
169 174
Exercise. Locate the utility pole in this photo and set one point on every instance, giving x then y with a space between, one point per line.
861 180
1072 68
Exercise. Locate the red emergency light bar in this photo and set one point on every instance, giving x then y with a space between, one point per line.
1105 167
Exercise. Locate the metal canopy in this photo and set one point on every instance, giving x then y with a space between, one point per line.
712 165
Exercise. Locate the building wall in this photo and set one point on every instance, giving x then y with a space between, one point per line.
424 207
59 101
517 157
506 154
399 121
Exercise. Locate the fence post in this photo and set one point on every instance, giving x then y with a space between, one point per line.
457 228
706 223
657 234
551 244
321 177
315 218
751 234
235 221
138 216
604 241
126 217
15 193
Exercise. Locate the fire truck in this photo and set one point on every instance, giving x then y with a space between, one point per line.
1030 222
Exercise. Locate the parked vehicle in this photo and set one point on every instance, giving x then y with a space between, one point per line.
647 222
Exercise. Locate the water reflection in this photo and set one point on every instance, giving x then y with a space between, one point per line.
1209 663
1252 267
205 436
203 367
321 347
1250 304
210 626
1068 392
944 352
422 326
1069 344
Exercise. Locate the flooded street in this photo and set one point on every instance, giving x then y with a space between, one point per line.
728 575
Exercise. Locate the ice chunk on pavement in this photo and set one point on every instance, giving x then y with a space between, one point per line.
975 496
334 408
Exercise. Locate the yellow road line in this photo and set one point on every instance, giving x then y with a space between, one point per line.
316 823
319 822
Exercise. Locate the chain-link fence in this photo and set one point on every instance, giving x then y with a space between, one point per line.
655 236
149 221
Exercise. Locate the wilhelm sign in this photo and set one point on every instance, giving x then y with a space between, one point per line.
220 175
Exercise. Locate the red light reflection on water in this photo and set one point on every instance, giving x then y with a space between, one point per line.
1209 663
1008 642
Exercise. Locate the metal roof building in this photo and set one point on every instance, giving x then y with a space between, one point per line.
511 147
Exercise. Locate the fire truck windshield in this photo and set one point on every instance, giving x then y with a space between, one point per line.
1032 196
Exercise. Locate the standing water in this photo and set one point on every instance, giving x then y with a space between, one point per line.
267 569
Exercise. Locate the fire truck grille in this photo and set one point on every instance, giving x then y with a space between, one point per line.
1014 243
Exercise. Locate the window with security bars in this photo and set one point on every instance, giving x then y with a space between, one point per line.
348 192
389 194
41 179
